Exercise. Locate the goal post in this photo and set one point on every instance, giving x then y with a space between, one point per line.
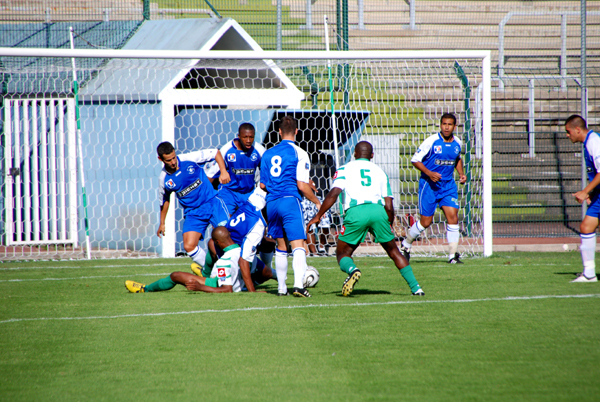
133 99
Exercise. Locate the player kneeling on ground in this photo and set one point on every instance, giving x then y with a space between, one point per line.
246 228
225 277
367 207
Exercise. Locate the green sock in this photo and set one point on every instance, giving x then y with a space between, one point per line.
347 265
161 284
208 266
409 277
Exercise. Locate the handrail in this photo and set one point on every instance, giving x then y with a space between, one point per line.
563 38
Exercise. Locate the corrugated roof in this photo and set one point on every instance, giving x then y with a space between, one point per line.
145 79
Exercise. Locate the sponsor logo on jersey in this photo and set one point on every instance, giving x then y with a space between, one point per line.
191 170
343 229
254 157
437 149
335 175
307 166
230 157
441 162
243 171
170 183
189 188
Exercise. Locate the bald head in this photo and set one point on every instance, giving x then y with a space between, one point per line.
220 235
363 150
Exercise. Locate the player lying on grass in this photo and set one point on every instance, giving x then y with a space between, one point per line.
246 227
577 131
184 176
225 276
368 207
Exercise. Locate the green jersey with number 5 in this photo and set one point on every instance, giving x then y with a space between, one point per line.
362 182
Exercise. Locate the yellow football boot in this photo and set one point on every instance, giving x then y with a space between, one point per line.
135 287
197 269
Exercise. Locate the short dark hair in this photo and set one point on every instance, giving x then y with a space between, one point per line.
246 126
576 120
164 148
288 125
448 116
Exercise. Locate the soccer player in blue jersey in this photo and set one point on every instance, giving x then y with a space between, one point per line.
284 174
577 131
242 159
247 228
184 176
436 159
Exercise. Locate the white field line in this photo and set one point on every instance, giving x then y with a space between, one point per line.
82 277
251 309
94 266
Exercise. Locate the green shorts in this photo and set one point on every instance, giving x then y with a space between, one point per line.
212 282
365 218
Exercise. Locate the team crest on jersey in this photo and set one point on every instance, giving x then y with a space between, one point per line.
231 158
307 166
254 157
456 149
437 149
191 170
170 183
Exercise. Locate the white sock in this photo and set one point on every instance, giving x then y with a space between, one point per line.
588 254
267 258
414 232
299 266
198 256
452 235
281 267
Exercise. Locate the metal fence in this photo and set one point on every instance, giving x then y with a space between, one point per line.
536 46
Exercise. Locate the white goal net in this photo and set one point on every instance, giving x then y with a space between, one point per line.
127 106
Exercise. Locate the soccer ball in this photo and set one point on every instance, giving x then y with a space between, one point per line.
311 277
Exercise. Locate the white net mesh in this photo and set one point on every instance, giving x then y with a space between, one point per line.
128 106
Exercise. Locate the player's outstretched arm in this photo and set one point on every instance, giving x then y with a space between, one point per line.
327 204
224 177
461 171
163 217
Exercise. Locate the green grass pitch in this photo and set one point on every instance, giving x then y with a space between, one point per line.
506 328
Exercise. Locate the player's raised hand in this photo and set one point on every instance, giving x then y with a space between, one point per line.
581 196
462 179
224 178
161 230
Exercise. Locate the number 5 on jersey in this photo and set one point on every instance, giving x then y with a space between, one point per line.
366 181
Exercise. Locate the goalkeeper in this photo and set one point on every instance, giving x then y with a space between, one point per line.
367 200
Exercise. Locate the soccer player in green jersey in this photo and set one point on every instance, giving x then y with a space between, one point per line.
367 200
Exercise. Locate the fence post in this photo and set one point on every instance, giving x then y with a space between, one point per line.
412 16
531 121
146 10
279 26
563 51
308 14
584 93
361 15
